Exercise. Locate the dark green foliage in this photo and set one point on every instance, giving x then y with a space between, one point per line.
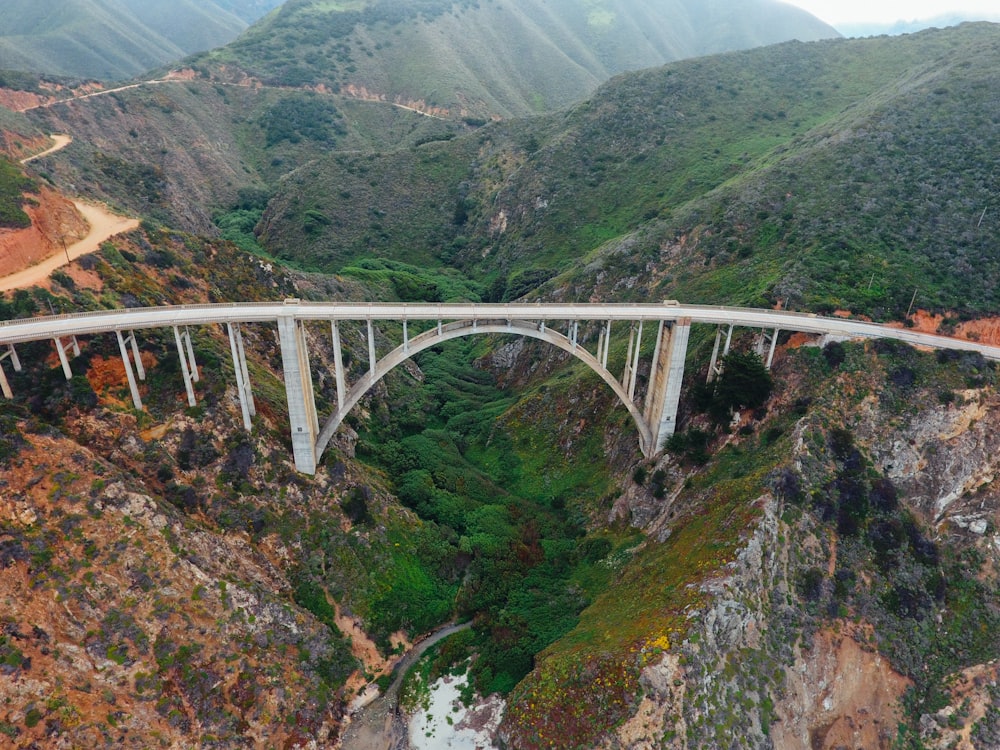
409 283
182 496
10 438
195 450
834 354
744 384
302 117
692 444
514 551
811 585
13 185
355 505
142 180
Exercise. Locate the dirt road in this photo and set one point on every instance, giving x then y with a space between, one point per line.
61 142
380 725
103 226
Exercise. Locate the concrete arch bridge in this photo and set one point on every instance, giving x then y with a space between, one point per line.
654 412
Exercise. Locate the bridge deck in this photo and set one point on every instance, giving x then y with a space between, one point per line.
33 329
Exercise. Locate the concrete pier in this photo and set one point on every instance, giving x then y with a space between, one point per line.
299 393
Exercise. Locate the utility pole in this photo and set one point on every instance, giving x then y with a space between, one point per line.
65 249
981 218
912 300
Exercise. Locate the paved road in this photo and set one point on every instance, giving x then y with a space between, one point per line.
247 312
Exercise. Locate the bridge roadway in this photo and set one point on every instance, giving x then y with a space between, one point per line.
655 420
108 321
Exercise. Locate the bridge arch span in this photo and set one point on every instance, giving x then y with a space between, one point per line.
458 329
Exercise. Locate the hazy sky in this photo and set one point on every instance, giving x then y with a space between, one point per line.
888 11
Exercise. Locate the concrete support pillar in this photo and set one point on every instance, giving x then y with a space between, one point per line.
136 358
299 392
600 346
406 339
628 357
635 363
371 351
713 362
338 366
251 404
651 390
12 355
607 345
729 340
670 364
243 390
440 328
770 354
185 370
192 364
63 359
129 373
574 332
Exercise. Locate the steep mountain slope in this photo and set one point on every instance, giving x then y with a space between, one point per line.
114 39
495 58
819 571
233 132
842 173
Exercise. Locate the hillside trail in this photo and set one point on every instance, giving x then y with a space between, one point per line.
171 78
60 142
380 725
103 226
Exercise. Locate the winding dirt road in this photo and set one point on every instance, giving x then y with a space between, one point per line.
103 226
61 142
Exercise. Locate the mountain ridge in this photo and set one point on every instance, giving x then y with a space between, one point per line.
116 39
496 57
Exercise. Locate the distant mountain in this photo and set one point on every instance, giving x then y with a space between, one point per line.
116 39
496 57
912 26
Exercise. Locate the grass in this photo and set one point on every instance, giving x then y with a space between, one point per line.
587 682
13 185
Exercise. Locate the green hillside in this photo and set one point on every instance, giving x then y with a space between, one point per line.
493 57
493 480
840 173
110 40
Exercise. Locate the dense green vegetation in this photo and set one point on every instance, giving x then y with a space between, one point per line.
13 185
833 174
510 531
483 58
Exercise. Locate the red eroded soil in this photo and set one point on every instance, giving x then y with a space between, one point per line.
984 330
21 100
53 220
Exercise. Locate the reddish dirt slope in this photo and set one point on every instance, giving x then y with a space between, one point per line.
54 219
